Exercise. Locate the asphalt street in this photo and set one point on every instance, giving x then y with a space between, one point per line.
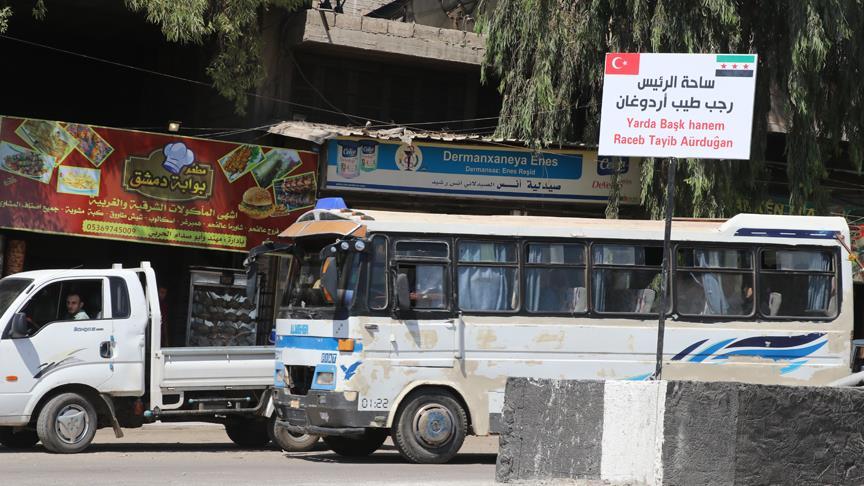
167 454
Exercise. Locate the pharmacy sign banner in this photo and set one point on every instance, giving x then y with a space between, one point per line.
475 171
678 105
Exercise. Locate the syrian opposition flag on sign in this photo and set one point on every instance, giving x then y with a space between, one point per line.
622 63
735 65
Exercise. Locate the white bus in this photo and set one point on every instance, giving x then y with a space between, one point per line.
408 324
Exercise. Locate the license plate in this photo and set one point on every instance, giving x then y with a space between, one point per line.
294 404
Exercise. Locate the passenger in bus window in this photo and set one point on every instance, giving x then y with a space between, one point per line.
425 285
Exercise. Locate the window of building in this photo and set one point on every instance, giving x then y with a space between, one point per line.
555 278
714 282
626 278
797 283
425 264
488 276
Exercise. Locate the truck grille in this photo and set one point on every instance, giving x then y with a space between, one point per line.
301 379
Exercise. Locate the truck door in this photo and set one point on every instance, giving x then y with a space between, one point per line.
68 341
128 311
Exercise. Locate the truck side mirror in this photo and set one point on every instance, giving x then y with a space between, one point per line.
330 278
19 325
403 294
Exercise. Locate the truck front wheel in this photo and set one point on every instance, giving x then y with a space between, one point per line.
361 446
18 439
248 432
67 424
289 441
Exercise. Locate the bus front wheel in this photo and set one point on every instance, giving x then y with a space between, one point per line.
361 446
430 427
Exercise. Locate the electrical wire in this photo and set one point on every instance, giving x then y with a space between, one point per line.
170 76
412 126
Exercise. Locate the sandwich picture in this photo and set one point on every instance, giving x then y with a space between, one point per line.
257 203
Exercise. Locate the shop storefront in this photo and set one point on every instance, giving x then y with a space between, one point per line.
441 172
80 195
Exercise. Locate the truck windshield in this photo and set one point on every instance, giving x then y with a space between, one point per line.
9 289
303 297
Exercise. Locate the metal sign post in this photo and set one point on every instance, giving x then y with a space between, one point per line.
667 267
680 106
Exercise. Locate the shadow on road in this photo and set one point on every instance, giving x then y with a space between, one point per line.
133 447
379 458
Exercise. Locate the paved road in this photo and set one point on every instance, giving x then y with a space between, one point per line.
160 454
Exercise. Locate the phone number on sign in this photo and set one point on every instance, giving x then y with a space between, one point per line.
164 234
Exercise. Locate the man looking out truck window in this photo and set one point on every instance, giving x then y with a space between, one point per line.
75 307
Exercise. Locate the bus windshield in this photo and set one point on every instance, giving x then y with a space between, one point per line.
303 296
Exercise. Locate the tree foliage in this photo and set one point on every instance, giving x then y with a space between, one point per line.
232 25
547 57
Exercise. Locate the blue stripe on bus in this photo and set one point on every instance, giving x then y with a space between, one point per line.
787 233
683 354
700 357
312 343
776 341
775 354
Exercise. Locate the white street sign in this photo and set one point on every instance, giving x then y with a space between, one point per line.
678 105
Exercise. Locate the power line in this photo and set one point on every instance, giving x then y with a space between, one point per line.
170 76
412 126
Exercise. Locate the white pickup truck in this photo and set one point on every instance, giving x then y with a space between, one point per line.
68 369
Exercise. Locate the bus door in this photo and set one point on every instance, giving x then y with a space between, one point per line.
422 331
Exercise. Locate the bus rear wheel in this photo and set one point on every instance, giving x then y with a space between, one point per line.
361 446
430 427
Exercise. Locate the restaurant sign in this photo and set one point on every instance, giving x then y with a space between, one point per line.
104 182
356 164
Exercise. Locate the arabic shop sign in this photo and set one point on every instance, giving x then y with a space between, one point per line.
123 184
166 176
357 164
678 105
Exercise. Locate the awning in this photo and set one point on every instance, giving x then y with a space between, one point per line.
323 228
320 132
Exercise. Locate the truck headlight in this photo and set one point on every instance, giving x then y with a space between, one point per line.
324 378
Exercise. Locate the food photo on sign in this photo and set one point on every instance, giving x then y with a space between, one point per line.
139 186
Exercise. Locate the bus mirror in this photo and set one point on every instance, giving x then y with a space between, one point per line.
330 278
19 325
403 295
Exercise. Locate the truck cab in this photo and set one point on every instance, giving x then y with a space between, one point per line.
80 350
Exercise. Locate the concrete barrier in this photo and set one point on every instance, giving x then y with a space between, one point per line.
681 433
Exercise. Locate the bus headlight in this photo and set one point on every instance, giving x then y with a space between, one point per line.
324 378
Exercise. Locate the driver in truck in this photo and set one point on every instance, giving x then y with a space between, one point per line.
75 307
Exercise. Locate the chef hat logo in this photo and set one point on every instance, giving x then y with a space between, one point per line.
177 156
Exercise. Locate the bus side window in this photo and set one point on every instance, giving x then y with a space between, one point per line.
626 278
488 276
714 282
425 263
797 283
555 278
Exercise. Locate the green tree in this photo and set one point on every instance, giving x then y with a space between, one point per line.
232 25
547 57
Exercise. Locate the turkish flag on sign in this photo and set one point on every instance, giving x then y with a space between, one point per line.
622 63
